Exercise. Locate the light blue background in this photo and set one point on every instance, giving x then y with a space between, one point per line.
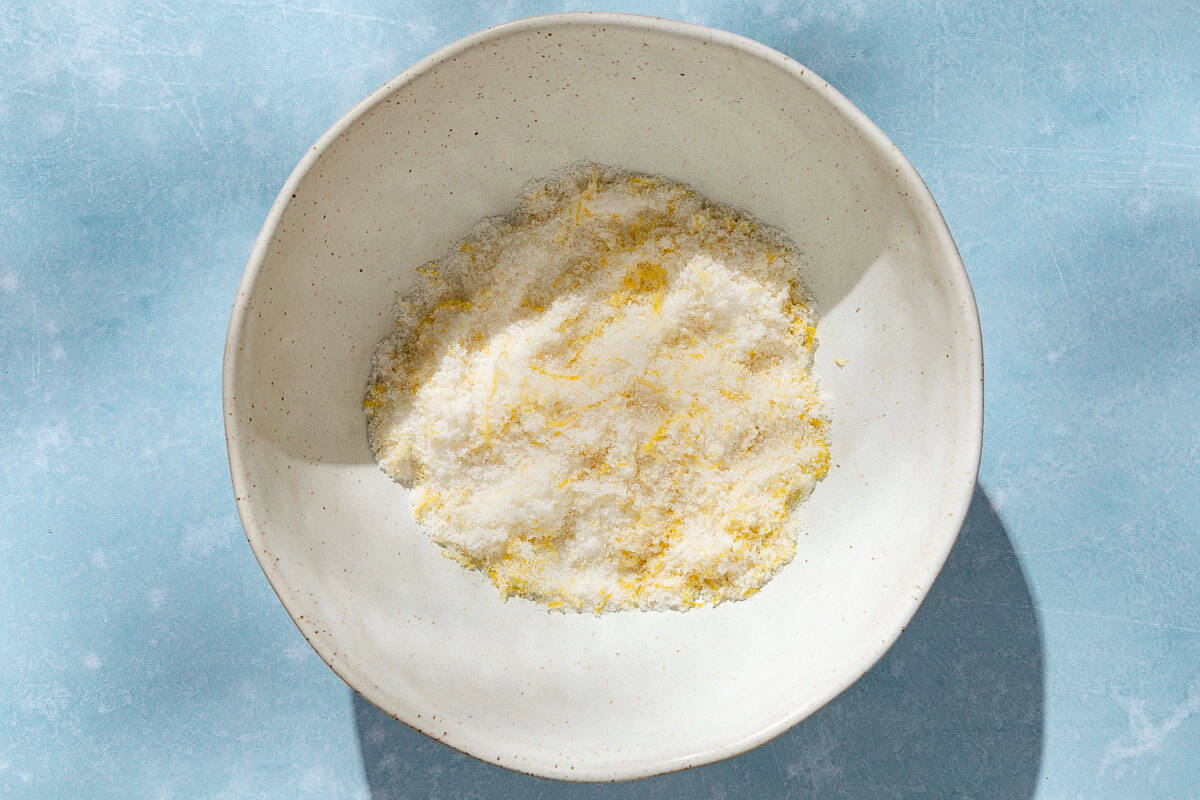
144 654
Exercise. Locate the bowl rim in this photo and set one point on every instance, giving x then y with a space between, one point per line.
926 208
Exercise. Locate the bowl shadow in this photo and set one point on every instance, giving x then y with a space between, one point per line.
954 709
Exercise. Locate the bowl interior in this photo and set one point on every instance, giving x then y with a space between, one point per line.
408 173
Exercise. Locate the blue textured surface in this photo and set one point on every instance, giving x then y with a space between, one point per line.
144 654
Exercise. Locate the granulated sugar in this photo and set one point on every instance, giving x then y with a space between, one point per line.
604 400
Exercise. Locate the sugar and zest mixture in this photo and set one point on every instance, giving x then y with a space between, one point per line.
604 400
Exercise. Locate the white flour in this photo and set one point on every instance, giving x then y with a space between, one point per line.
604 400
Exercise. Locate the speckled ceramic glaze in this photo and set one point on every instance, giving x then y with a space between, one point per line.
404 175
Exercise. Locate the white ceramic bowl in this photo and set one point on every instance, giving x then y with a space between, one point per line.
405 174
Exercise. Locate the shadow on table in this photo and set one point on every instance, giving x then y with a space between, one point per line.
955 709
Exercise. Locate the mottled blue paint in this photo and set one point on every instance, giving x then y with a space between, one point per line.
145 655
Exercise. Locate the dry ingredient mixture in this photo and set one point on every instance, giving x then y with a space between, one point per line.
604 400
